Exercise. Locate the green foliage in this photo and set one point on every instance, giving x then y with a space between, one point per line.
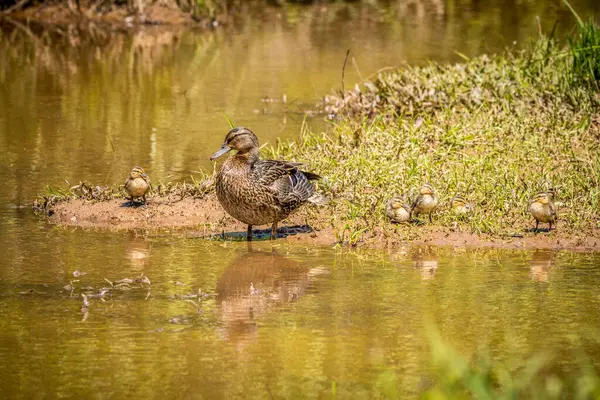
585 49
482 378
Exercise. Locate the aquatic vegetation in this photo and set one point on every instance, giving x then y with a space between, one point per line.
500 128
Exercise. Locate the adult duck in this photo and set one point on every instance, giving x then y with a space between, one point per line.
258 192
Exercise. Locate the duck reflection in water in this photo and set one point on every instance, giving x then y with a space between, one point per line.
540 264
256 283
426 261
137 249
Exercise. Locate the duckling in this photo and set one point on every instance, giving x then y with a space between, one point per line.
426 202
542 208
459 205
397 210
256 191
138 184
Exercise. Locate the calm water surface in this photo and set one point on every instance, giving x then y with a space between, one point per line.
274 320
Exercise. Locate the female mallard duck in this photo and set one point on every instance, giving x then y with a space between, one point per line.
397 210
256 191
542 208
426 202
138 184
460 206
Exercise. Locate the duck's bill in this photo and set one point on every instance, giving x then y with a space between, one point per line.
224 149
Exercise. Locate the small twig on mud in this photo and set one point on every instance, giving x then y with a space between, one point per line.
344 69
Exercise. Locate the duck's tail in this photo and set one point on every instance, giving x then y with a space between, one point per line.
311 176
318 198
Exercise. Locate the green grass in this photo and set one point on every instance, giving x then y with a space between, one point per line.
496 129
480 377
585 48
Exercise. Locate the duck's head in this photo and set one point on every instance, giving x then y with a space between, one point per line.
137 172
427 189
241 139
459 201
396 202
545 197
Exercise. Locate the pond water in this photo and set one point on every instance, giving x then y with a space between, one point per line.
274 320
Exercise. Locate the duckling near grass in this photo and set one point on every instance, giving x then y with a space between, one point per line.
397 210
426 201
138 184
460 206
542 208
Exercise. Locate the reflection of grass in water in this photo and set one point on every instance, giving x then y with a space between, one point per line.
457 377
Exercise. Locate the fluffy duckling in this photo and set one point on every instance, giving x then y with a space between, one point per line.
426 202
542 208
460 206
256 191
397 210
138 184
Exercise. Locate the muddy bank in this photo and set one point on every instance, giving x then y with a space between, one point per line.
204 218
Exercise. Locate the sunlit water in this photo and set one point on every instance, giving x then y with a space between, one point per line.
276 320
287 320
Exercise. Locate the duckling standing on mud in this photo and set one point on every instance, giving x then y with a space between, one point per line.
426 202
256 191
542 208
460 206
397 210
138 184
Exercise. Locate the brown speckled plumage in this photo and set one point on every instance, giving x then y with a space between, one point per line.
542 209
258 192
426 201
138 184
397 210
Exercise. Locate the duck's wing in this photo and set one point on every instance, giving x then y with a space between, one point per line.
284 179
552 208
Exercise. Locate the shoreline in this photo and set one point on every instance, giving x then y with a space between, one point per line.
204 218
116 17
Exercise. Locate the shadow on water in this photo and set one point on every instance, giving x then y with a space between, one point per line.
263 234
